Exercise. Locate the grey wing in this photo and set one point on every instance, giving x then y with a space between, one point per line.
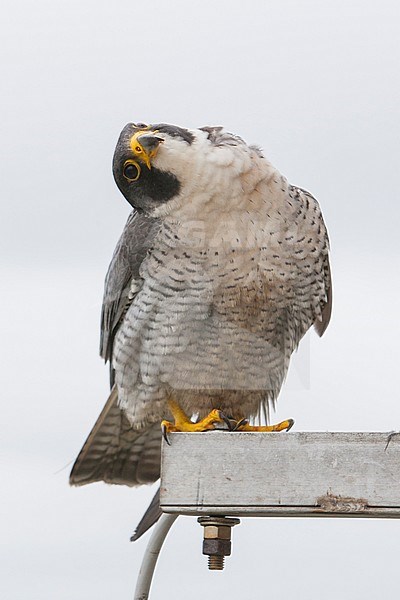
113 451
322 241
123 279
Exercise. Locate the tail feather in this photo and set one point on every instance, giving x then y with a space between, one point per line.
151 516
116 453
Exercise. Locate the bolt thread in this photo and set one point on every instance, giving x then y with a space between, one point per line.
216 563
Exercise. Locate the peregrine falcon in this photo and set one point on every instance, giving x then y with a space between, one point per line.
221 269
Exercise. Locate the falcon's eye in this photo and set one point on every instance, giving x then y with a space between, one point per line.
131 170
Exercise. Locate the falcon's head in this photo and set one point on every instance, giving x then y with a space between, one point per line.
162 168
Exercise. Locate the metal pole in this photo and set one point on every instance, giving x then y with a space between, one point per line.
151 555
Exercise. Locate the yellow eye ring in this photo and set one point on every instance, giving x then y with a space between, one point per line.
131 170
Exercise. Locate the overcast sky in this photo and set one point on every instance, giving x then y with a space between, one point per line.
316 84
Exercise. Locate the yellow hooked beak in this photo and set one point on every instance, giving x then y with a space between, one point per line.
145 144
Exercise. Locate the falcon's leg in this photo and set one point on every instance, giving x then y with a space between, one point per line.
282 426
183 423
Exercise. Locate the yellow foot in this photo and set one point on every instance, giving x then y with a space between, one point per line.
183 422
282 426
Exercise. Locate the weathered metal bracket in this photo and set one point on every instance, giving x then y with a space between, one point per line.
220 473
281 474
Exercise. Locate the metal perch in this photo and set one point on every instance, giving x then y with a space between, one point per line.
306 474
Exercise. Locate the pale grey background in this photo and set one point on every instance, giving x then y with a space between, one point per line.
316 84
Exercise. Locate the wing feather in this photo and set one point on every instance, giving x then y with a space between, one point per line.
321 325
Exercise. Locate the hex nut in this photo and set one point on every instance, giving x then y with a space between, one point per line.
217 547
217 531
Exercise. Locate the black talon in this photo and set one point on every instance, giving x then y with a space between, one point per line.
164 434
291 423
240 423
226 420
